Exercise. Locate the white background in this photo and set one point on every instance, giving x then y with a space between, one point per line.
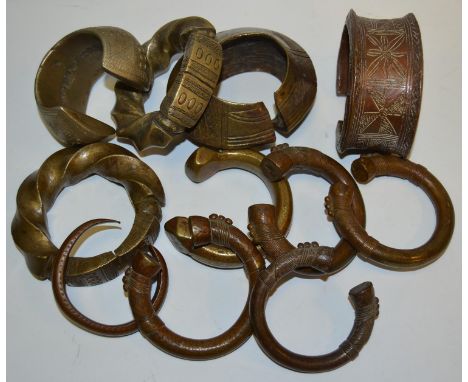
418 334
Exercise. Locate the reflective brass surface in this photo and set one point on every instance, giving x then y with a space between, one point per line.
203 164
380 71
68 72
366 310
365 169
67 167
232 125
278 165
73 314
188 95
215 230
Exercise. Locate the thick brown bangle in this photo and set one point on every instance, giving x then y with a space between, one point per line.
362 297
279 164
68 72
60 292
380 71
203 164
364 170
231 125
67 167
216 230
187 96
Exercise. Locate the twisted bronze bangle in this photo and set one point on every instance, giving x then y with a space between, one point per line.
60 292
380 71
364 170
280 163
187 96
231 125
68 72
362 297
216 230
67 167
203 164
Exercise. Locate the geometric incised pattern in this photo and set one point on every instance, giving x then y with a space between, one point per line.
385 85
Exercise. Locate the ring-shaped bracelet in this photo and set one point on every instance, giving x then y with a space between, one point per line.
68 72
364 170
380 71
67 167
216 230
279 164
203 164
362 297
74 315
231 125
188 95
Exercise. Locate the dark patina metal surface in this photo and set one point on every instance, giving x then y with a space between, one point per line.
364 170
67 167
215 230
187 96
74 315
362 297
68 72
279 164
232 125
203 164
380 71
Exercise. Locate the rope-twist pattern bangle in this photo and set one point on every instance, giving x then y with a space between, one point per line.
67 167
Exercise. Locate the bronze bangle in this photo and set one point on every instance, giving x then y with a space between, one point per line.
188 95
362 297
231 125
279 164
66 306
67 167
203 164
216 230
69 70
364 170
380 71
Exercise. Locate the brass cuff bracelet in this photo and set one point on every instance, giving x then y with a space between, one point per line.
362 297
187 97
279 164
364 170
66 306
203 164
380 71
67 167
68 72
231 125
216 230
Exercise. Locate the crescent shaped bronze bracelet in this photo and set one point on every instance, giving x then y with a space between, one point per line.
231 125
67 167
362 297
280 163
215 230
66 306
364 170
188 95
68 72
203 164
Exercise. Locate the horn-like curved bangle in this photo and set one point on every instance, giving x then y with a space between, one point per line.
203 164
66 306
364 170
216 230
